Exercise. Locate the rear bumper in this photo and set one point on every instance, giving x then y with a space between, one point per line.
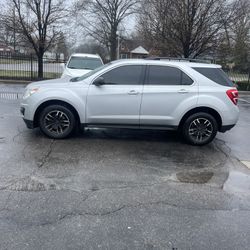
226 128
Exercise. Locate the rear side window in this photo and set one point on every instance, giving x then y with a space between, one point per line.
217 75
124 75
164 75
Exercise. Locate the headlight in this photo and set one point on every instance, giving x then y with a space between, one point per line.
30 92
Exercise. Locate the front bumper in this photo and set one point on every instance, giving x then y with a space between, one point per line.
29 124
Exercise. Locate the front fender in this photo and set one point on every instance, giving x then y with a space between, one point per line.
75 98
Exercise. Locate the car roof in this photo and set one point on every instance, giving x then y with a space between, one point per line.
85 55
166 62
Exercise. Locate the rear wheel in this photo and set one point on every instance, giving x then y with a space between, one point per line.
57 121
200 129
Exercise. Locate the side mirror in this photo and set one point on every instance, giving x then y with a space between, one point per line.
62 65
99 81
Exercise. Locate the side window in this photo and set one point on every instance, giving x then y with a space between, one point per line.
124 75
217 75
164 75
185 79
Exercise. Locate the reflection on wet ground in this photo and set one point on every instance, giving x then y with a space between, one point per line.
238 182
246 163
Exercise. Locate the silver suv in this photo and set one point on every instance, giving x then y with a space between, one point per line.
196 98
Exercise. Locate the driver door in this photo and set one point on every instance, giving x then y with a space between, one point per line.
117 101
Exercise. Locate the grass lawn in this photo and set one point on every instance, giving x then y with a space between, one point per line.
13 61
13 74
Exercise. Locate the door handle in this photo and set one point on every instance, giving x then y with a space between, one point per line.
133 92
183 91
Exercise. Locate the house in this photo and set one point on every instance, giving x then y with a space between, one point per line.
138 52
4 49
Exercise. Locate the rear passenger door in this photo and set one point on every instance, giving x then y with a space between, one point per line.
167 92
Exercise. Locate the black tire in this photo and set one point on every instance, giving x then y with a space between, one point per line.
200 129
57 121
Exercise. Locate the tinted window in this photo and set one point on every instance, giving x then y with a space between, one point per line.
185 79
217 75
125 75
162 75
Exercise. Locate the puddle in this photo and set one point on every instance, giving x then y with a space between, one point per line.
195 177
237 182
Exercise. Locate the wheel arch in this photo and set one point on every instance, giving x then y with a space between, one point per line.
204 109
54 102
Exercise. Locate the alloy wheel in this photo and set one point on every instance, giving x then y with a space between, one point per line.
56 122
201 129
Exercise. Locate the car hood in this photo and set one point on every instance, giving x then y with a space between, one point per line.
75 72
60 81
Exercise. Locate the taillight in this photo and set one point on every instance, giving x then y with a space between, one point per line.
233 95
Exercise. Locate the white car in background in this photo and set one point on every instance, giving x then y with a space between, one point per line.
81 64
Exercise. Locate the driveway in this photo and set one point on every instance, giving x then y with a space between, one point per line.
121 189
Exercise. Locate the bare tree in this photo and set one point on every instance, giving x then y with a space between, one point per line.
104 18
9 28
38 22
61 48
187 28
90 46
240 28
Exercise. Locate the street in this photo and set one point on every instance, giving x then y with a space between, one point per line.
122 189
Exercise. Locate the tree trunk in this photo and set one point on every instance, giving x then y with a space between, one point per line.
113 44
186 50
40 66
113 48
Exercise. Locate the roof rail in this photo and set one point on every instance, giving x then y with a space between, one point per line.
179 59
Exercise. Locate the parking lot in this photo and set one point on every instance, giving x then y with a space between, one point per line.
122 189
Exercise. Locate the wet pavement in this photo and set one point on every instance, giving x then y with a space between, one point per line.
121 189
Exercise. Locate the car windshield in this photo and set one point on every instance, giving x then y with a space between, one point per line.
85 76
84 63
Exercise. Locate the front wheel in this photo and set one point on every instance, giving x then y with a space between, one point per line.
200 129
57 121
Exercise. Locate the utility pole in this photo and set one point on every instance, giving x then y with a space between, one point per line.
118 47
14 29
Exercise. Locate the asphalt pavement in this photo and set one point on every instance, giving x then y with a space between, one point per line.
121 189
